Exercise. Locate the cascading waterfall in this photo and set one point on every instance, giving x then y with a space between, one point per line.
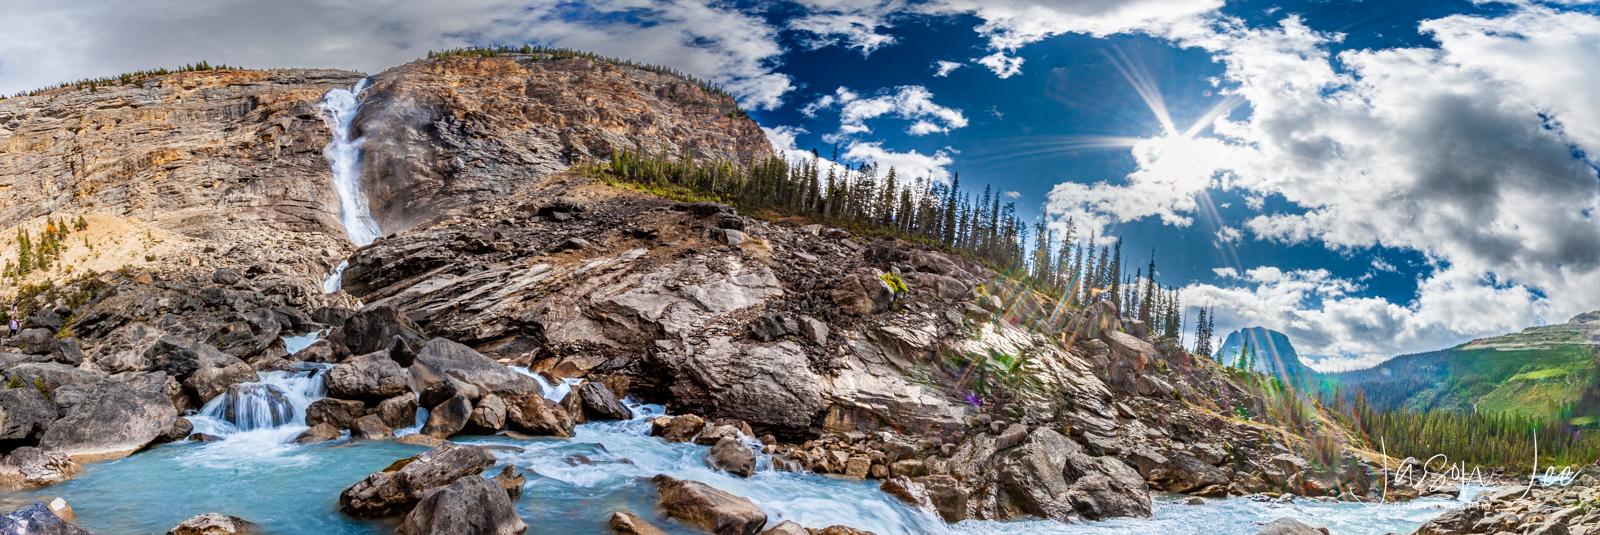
339 108
278 400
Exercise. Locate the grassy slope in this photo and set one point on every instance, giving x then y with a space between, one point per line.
1543 371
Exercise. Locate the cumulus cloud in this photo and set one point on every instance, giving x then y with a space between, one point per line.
907 164
944 68
1011 24
850 23
65 40
910 102
1472 153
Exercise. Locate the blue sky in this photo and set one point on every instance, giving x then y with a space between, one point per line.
1371 177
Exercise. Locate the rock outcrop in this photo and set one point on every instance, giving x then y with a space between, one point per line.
697 504
214 524
396 489
113 421
470 505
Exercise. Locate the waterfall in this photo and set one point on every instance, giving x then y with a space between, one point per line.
339 108
279 399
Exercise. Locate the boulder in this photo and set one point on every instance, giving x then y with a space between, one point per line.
44 319
370 427
180 358
600 404
1290 526
628 524
862 294
180 429
337 412
788 527
214 524
373 329
470 505
511 480
321 432
30 467
397 488
114 421
38 520
731 455
399 412
207 383
1050 476
814 330
69 351
319 351
538 416
442 364
369 377
448 418
25 413
681 428
34 341
1184 473
1456 521
489 416
697 504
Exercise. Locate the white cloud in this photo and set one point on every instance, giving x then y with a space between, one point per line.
944 68
911 164
1228 234
1464 153
52 41
909 102
1012 194
1010 24
1380 265
1002 65
852 23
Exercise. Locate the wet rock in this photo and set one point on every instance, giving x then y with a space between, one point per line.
397 488
1290 526
538 416
448 418
30 467
573 404
600 404
1050 476
214 524
37 520
181 428
369 377
253 406
26 413
370 427
697 504
628 524
321 432
319 351
732 456
399 412
511 480
202 437
114 421
60 508
862 294
336 412
489 415
715 434
681 428
788 527
373 329
442 365
207 383
470 505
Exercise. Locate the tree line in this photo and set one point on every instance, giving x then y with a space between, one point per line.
36 253
127 78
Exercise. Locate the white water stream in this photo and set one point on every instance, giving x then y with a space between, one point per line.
339 108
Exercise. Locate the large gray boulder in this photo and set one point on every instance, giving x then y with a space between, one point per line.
399 412
374 328
38 520
34 341
114 421
441 361
448 418
25 413
697 504
470 505
337 412
370 377
731 455
1050 476
600 404
396 489
53 375
207 383
538 416
1185 473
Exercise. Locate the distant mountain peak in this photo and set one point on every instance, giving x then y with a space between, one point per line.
1271 352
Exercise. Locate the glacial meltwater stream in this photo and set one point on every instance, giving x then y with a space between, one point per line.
573 485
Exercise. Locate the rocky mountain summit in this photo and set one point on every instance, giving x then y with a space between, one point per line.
505 273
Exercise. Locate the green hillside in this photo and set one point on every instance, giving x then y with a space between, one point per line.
1544 372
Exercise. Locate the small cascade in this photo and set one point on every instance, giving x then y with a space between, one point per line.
278 400
556 392
339 108
335 279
